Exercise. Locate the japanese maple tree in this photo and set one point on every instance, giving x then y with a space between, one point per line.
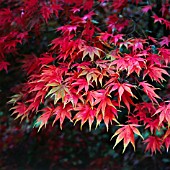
102 62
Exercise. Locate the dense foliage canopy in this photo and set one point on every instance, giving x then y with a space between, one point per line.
95 62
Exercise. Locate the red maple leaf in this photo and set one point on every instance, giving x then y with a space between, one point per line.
137 43
72 97
153 125
85 113
30 67
20 109
52 75
165 54
149 90
145 113
155 73
43 119
130 62
88 5
4 65
114 39
110 115
164 111
55 8
152 39
46 12
154 143
124 92
157 19
165 41
103 101
67 29
126 132
91 51
61 112
82 84
153 60
166 139
33 104
46 58
6 16
167 24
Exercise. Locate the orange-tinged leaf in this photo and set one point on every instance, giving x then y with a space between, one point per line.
20 109
85 113
124 92
99 118
109 116
91 51
61 112
92 74
126 133
58 92
102 99
43 119
73 97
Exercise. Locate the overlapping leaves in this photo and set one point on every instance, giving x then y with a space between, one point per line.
91 75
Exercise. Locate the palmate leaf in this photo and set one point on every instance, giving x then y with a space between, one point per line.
92 65
91 51
103 100
165 41
153 144
149 90
43 119
59 92
109 116
124 92
165 54
129 62
60 112
73 97
85 113
4 65
126 133
152 124
82 84
155 73
20 109
164 112
93 74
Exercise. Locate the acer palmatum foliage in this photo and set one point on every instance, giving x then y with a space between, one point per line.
86 61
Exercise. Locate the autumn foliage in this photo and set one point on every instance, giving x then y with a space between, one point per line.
105 61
